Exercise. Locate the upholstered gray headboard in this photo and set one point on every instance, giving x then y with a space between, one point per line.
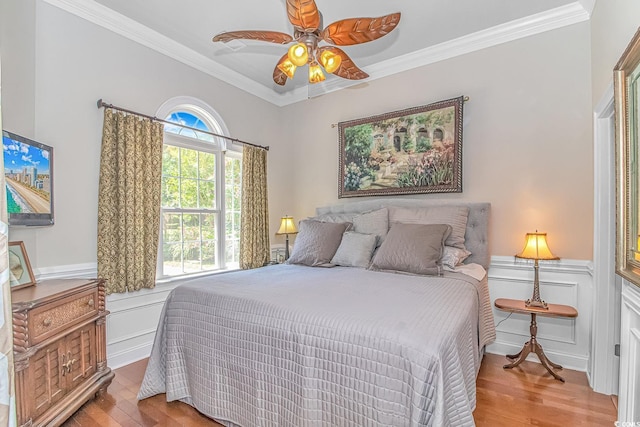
476 234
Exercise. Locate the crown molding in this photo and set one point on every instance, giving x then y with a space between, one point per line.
520 28
573 13
104 17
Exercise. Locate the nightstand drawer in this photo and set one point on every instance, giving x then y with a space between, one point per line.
52 318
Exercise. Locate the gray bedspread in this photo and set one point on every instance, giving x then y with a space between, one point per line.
298 346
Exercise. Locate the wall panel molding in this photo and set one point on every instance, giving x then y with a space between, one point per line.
628 406
134 315
569 282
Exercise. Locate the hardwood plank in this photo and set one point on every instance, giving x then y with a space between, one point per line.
524 396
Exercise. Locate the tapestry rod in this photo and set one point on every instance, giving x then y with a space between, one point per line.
105 105
465 99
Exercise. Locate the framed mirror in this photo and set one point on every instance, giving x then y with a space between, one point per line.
626 81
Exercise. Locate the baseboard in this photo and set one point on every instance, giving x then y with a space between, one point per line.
569 361
130 355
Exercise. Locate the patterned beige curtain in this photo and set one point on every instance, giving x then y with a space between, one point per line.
129 201
254 223
7 395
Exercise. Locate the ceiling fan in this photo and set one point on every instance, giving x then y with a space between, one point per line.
308 33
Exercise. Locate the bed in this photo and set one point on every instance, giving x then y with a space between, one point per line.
299 345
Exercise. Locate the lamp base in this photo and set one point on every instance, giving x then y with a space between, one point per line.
533 303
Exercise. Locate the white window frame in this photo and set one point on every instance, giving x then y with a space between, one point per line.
220 148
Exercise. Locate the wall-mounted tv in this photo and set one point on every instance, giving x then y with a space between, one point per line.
28 172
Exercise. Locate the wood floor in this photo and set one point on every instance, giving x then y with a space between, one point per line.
526 395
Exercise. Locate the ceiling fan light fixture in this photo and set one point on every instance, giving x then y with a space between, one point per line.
315 73
288 67
298 54
330 61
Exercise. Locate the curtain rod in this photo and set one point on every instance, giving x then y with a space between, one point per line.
104 104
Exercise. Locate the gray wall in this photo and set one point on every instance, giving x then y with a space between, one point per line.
57 67
527 135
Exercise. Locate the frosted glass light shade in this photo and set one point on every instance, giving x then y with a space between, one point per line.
287 225
315 73
330 61
288 67
298 54
536 247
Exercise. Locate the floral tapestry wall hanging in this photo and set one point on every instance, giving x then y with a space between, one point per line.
413 151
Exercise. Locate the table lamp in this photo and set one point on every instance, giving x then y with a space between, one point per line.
536 248
287 226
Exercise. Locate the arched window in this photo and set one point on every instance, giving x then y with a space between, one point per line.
200 228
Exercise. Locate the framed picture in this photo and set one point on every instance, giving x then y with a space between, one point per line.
19 266
277 254
417 150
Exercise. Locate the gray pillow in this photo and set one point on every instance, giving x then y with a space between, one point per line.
355 250
374 222
412 248
317 242
455 216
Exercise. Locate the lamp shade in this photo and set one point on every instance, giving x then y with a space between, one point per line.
287 226
287 67
315 73
330 61
298 54
536 247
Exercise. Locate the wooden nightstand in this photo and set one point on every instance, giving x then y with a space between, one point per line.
532 346
59 348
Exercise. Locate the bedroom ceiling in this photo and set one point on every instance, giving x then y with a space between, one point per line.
429 31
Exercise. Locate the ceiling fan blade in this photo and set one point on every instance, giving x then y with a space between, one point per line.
265 36
347 69
303 15
359 30
278 75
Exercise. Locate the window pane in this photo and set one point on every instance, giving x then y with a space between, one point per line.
188 163
170 161
233 174
170 192
208 227
187 119
207 166
209 255
172 228
191 256
172 257
207 194
191 227
189 194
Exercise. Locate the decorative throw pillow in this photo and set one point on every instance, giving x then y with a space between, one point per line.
317 242
412 248
452 257
355 250
455 216
374 222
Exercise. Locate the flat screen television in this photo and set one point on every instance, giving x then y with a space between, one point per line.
28 172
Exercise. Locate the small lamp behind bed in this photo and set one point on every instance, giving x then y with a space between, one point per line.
287 226
536 248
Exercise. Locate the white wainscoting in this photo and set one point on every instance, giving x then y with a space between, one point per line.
628 402
133 317
569 282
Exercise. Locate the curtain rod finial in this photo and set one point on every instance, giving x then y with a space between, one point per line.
99 102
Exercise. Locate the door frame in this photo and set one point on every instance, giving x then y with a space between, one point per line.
604 364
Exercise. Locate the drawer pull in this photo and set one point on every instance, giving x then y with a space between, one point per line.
47 322
91 303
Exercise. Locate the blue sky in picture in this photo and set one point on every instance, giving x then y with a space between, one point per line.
18 155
